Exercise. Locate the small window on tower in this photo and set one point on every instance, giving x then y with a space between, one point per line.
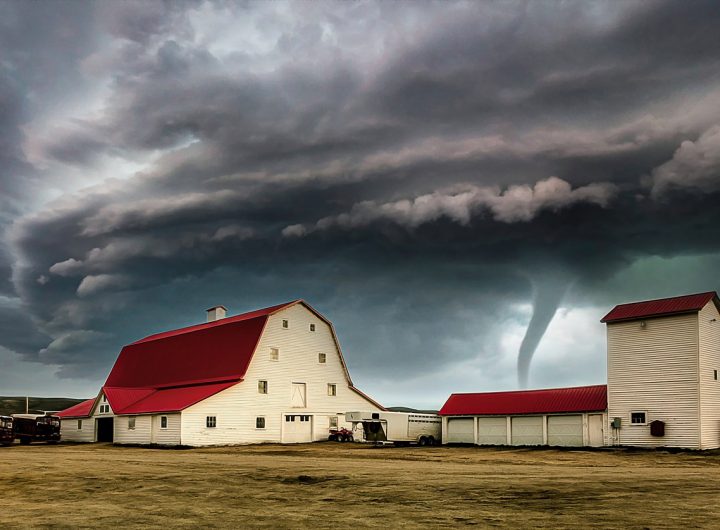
263 387
638 418
312 327
332 389
715 375
322 358
260 422
286 324
274 354
163 422
79 424
333 422
211 422
131 424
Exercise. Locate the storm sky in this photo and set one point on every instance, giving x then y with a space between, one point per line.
427 175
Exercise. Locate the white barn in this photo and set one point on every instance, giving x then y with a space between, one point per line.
272 375
663 363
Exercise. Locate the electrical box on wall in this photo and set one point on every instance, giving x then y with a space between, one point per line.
616 423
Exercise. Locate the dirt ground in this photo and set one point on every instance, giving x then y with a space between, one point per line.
332 485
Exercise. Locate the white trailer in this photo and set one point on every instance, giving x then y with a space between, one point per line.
400 428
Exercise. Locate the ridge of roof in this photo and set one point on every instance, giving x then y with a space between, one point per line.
220 322
688 303
528 391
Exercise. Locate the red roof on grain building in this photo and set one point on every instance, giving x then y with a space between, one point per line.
662 307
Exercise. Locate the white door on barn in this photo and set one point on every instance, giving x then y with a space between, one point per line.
297 428
461 430
298 397
595 430
565 430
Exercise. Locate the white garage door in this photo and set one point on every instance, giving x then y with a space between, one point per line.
527 430
297 428
565 430
492 431
461 431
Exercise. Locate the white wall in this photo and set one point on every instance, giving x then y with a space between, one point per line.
69 431
655 369
709 387
168 436
237 407
141 434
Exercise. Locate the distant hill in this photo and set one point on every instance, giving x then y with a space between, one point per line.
408 409
16 405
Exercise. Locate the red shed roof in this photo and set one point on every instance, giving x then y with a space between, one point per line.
556 400
664 306
81 410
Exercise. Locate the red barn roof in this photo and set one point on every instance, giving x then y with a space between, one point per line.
170 371
556 400
665 306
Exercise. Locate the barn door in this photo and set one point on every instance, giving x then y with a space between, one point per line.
595 430
299 395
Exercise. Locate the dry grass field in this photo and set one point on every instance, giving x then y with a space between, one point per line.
329 485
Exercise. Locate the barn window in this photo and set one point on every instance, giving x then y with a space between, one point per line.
333 422
332 389
322 358
286 324
262 387
163 422
638 418
104 398
260 422
211 421
79 424
274 354
312 327
715 375
131 424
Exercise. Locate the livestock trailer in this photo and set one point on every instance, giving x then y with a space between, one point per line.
400 428
7 436
36 428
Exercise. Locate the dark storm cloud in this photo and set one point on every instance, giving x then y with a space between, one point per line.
416 171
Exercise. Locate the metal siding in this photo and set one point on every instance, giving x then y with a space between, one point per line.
565 430
237 407
461 430
70 433
654 369
596 428
168 436
492 431
526 430
709 350
142 434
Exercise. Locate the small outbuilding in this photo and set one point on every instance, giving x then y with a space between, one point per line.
572 417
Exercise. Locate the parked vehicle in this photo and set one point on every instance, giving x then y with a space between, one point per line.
7 436
400 428
340 435
36 428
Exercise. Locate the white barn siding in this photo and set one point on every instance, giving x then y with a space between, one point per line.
237 407
655 369
69 431
709 351
141 434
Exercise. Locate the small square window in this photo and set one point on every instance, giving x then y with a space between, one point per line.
312 327
260 422
79 424
332 389
163 422
322 358
274 354
131 424
262 387
286 324
211 422
638 418
333 422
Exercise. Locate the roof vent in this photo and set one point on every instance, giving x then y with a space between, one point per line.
216 313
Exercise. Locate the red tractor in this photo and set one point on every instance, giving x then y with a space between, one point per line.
340 435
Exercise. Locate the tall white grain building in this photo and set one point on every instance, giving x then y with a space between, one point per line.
663 362
272 375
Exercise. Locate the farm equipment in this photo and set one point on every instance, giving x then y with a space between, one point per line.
399 428
340 435
7 436
36 428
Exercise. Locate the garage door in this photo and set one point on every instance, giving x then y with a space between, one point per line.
297 428
565 430
461 431
492 431
527 430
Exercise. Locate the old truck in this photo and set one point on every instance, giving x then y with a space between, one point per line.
30 428
7 436
400 428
